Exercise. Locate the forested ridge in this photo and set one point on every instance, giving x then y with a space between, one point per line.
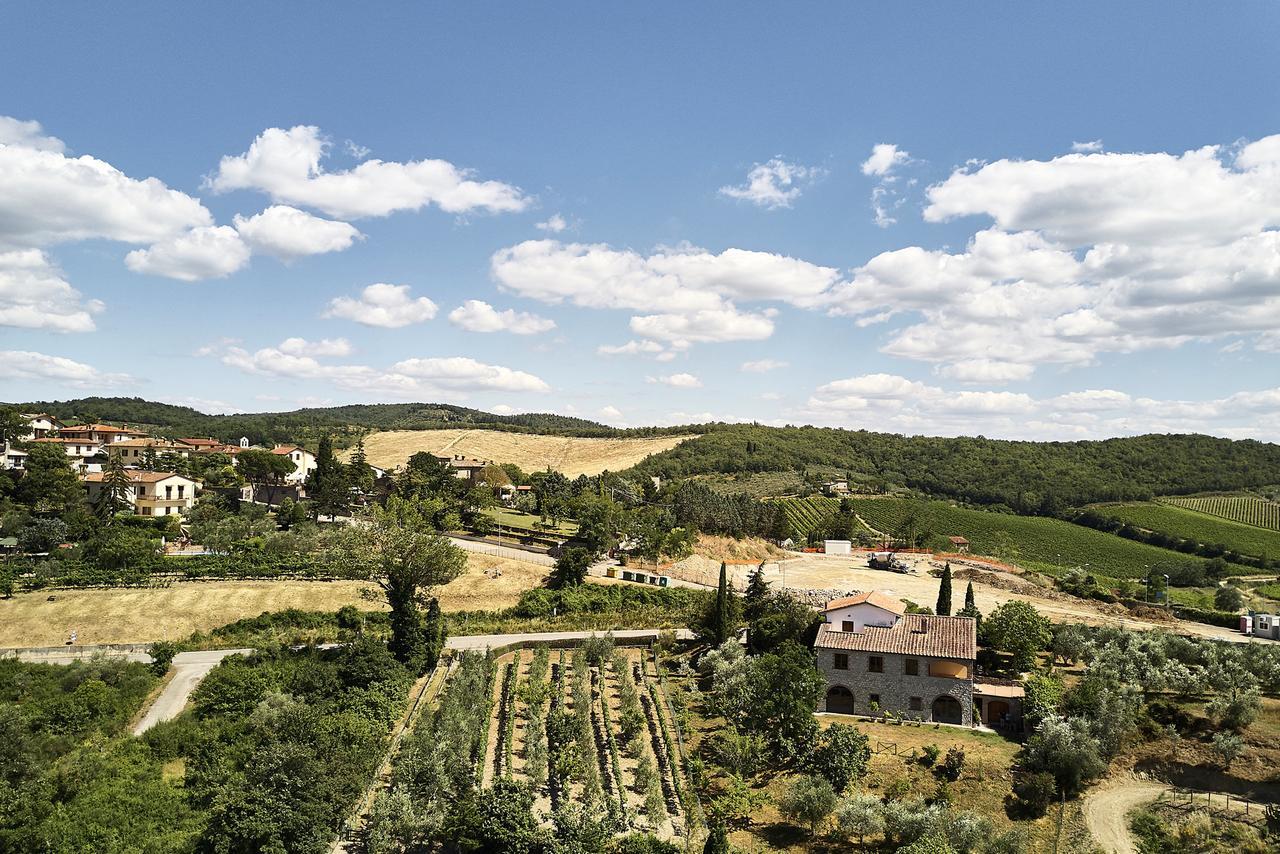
1029 477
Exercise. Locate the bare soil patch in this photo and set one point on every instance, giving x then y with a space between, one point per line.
569 455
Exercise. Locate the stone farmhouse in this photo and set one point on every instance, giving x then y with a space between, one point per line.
879 659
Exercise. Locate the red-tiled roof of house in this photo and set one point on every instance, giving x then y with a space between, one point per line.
66 440
135 476
958 541
286 449
871 597
96 428
911 634
151 442
199 442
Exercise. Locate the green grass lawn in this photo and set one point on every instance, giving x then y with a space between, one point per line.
520 519
1033 541
1192 524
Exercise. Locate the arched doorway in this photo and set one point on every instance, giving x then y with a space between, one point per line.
840 700
996 710
946 710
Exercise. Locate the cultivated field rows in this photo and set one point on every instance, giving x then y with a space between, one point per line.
594 733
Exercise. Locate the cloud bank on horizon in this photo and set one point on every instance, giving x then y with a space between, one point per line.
1067 261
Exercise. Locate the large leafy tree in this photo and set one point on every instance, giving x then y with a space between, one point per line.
785 687
49 485
571 568
1018 628
404 555
259 466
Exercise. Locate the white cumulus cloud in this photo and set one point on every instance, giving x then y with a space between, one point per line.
891 402
1089 147
885 157
478 316
28 134
34 295
51 198
287 166
207 252
775 184
301 360
762 366
59 370
553 224
1084 254
383 305
677 380
696 290
287 232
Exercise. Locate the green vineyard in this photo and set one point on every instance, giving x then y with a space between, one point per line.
806 514
1033 541
1238 508
1178 521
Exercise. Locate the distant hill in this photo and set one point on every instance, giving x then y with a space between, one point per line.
303 425
1029 477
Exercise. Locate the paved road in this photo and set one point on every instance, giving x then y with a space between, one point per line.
503 551
189 668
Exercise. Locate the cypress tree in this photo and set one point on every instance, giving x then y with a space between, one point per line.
944 592
757 591
115 490
970 608
720 621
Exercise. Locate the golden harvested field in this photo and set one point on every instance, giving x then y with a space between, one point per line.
568 455
142 615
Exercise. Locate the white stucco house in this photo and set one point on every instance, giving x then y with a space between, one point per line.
304 462
150 493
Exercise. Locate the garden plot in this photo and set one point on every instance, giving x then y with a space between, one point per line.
587 726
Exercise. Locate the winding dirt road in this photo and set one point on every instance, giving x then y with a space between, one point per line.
1106 811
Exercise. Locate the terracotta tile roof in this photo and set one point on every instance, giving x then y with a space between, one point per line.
151 442
199 442
871 597
286 449
96 428
135 476
958 541
911 634
66 440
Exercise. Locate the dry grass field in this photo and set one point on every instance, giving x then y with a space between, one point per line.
569 455
142 615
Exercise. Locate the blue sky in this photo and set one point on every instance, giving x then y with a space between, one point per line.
1045 223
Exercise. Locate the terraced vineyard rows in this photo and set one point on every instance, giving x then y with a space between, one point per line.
1245 509
806 514
1027 540
1211 529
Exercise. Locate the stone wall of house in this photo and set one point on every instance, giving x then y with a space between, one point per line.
893 685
